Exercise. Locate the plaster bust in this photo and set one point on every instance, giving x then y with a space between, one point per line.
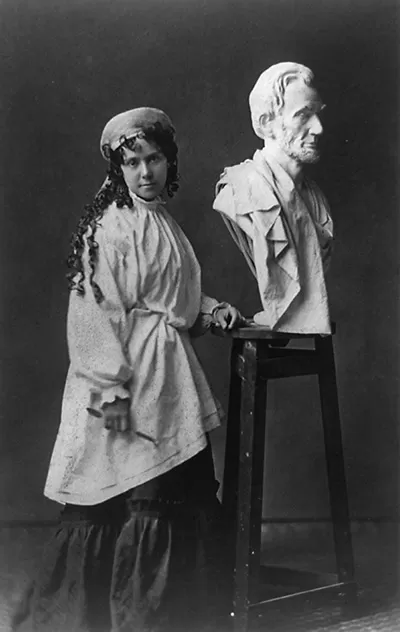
277 216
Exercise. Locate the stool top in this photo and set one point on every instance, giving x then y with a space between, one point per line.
251 331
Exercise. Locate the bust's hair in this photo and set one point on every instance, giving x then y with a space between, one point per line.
114 190
267 96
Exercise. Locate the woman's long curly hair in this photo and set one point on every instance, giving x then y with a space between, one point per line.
115 190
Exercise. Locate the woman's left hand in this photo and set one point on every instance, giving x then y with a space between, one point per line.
228 317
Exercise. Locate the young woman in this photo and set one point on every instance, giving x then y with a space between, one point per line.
140 542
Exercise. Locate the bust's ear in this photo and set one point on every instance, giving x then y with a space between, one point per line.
266 126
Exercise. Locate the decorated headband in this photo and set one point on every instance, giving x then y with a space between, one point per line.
130 124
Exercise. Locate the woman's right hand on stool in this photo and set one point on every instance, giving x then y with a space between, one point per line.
116 415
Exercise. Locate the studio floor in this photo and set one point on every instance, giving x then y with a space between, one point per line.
299 546
310 547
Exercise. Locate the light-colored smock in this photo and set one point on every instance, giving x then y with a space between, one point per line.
134 344
285 234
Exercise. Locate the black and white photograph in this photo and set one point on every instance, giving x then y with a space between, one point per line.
200 316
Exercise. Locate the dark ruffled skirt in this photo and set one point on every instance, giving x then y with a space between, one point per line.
150 560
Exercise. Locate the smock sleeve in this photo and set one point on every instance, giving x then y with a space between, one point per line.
98 332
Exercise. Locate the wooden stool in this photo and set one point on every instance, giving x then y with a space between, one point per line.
259 355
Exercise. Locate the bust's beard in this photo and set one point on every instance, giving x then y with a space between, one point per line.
296 147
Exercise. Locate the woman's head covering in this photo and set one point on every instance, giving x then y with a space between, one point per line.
129 124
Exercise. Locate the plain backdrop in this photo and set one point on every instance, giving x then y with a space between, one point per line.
66 68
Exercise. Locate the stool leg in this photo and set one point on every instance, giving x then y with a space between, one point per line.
231 460
231 464
334 459
250 486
